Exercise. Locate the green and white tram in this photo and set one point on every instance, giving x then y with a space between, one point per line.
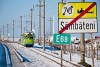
27 39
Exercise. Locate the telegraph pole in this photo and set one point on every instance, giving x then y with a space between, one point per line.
92 49
39 34
34 25
13 30
82 45
24 29
43 32
51 26
31 19
7 32
26 25
82 51
82 48
3 30
21 24
3 33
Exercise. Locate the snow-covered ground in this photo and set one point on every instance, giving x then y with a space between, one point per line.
36 60
76 58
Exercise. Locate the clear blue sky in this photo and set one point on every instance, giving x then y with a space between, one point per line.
13 9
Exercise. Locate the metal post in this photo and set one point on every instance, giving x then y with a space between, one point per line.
61 45
97 50
92 54
82 45
31 20
82 48
26 26
13 30
7 32
40 22
51 27
39 32
61 55
3 33
21 24
43 33
3 30
34 25
71 52
24 29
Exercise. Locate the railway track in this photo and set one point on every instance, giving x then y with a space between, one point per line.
54 58
47 57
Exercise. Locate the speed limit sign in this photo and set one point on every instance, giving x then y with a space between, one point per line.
67 10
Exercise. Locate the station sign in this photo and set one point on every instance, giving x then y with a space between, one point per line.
61 39
80 26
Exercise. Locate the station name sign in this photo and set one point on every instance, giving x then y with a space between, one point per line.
80 26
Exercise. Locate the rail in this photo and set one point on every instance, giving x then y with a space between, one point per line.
43 53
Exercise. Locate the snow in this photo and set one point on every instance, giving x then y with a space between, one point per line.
37 60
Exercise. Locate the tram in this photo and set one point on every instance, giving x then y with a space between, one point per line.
27 39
